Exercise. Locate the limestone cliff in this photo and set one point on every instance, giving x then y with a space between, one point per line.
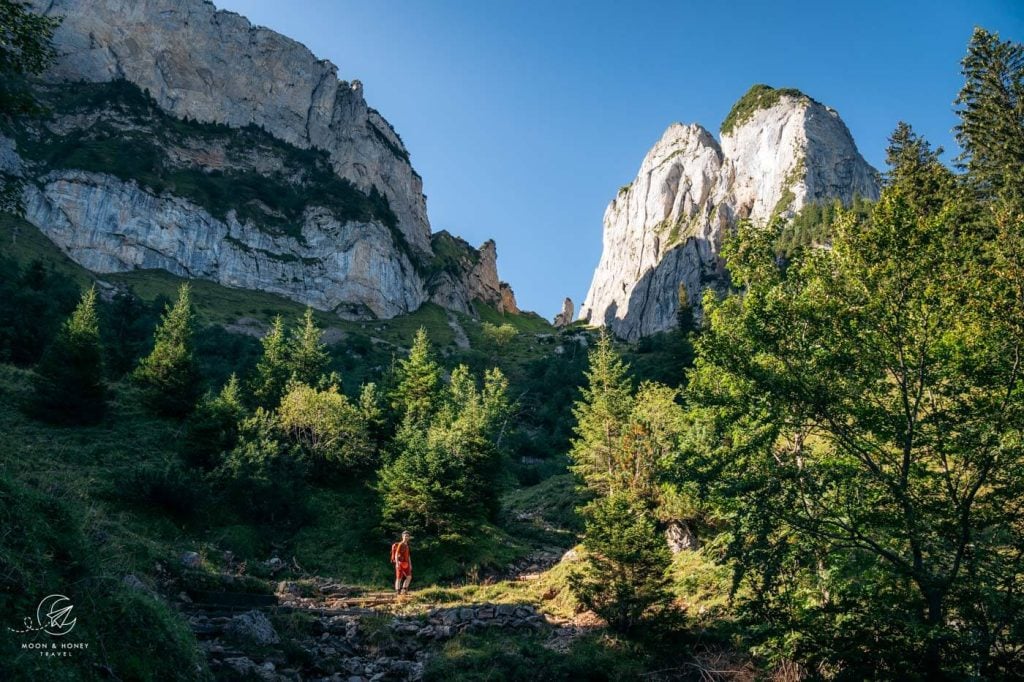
183 138
662 233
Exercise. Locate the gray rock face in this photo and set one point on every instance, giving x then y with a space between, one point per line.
567 315
468 275
211 66
215 66
109 226
663 232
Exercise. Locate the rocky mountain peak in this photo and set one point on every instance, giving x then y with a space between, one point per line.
234 154
779 150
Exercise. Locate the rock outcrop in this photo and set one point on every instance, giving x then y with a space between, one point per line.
215 66
183 138
351 268
461 274
779 151
565 317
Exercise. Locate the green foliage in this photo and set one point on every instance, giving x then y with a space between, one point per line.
991 111
25 51
444 480
328 427
34 302
624 581
418 378
856 419
213 426
168 376
262 475
273 369
69 386
499 335
914 169
756 98
307 356
601 415
814 225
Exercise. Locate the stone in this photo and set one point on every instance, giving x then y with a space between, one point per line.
190 560
565 317
680 537
132 582
663 232
254 627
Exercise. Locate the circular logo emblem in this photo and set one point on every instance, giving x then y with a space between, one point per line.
54 615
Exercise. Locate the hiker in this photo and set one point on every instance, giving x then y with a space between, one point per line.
403 563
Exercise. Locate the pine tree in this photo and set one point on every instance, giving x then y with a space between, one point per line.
273 369
915 169
419 379
69 385
213 426
991 130
169 376
601 415
624 579
307 356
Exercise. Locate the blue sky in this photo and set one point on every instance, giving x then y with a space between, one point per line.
525 117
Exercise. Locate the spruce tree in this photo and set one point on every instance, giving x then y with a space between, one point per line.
601 415
419 378
624 579
213 426
991 129
168 376
68 386
273 368
308 357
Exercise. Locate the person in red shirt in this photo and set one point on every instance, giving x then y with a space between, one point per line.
402 560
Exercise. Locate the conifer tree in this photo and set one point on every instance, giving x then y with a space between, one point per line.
273 368
213 427
419 379
624 579
601 415
169 376
69 385
307 355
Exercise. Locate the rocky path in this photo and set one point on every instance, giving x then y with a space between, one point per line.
332 632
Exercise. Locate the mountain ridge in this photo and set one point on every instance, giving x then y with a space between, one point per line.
201 66
663 231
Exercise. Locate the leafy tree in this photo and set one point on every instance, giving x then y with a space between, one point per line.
857 419
68 385
328 427
499 335
624 580
307 356
168 376
25 51
213 426
274 367
418 382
